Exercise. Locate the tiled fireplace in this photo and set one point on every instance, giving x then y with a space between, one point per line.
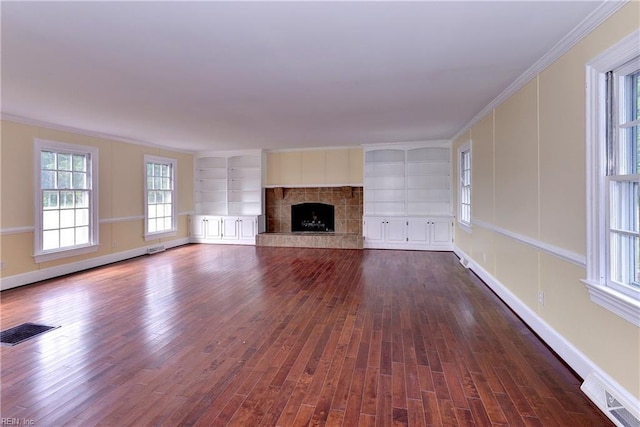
347 217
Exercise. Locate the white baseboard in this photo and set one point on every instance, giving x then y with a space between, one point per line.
61 270
596 381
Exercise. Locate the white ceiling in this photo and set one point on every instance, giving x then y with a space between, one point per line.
231 75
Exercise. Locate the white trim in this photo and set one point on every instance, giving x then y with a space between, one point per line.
53 126
122 219
66 253
622 305
571 355
590 23
17 230
61 270
564 254
30 228
160 235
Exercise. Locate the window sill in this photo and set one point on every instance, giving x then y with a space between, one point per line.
65 253
622 305
161 235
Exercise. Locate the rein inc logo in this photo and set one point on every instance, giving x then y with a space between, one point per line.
17 422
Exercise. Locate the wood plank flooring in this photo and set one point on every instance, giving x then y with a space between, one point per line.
207 335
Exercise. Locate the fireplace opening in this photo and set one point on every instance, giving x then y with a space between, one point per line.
312 217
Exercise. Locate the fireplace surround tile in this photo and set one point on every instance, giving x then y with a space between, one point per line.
348 217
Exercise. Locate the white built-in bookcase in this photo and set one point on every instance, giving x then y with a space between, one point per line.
229 184
408 180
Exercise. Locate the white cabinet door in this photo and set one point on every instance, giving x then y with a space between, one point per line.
396 231
247 227
374 230
197 226
230 228
441 231
418 231
213 228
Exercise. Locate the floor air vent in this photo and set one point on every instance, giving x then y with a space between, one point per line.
155 250
621 413
20 333
621 407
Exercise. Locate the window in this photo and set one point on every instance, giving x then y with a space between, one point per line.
464 189
160 208
613 234
66 200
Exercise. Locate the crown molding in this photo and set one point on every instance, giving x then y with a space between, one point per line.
63 128
586 26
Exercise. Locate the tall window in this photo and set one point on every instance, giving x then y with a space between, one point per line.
613 178
464 189
66 200
160 208
622 177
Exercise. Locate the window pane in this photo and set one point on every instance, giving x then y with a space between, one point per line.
82 199
67 218
79 163
50 219
47 160
82 217
79 180
67 237
628 151
159 196
50 240
149 169
152 211
151 225
151 197
166 170
157 169
150 183
167 223
82 235
157 183
64 162
624 259
48 179
49 200
167 197
64 180
624 208
635 98
66 199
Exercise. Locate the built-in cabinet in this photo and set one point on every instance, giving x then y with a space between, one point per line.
229 197
408 233
407 196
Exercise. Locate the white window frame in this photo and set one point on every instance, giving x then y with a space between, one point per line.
174 198
41 255
602 292
464 223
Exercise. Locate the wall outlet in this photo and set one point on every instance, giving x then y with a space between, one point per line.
541 297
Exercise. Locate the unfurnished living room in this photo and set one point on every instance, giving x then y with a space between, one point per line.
230 213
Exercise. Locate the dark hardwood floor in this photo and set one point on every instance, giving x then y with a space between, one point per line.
229 335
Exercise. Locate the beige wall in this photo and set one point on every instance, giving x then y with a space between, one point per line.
529 179
315 168
120 175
